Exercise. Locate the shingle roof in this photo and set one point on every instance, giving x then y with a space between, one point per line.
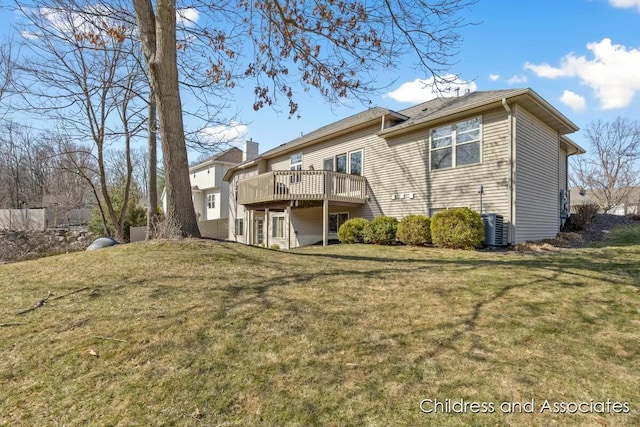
232 155
443 105
356 119
426 112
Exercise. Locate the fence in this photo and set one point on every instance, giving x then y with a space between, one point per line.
23 219
41 219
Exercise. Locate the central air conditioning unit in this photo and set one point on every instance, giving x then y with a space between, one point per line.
493 230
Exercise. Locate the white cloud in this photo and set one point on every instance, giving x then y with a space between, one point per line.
517 79
625 4
494 77
187 16
30 35
80 22
612 73
421 90
573 101
233 133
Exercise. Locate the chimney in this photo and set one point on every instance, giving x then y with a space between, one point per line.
249 150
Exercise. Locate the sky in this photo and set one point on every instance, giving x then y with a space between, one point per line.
582 56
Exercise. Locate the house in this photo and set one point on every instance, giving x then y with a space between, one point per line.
500 152
629 199
210 193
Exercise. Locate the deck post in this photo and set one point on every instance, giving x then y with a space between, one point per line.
325 221
288 227
248 230
266 228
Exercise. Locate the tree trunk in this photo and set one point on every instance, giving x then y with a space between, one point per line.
158 33
152 191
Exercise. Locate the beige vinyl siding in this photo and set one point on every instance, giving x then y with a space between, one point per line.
562 173
236 210
536 183
458 187
396 172
314 155
394 167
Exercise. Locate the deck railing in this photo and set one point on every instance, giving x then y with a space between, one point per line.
302 185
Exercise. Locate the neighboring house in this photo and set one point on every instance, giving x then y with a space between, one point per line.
502 152
629 204
210 193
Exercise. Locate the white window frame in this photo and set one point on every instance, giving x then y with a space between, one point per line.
347 155
338 223
333 163
454 144
211 201
239 227
295 164
277 227
361 162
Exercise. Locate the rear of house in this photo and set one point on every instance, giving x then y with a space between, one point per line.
499 152
210 193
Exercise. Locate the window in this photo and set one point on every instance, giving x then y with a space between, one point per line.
277 226
353 166
456 144
336 220
355 163
341 163
239 227
296 165
260 230
211 201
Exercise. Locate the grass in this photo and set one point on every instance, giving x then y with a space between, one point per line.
210 333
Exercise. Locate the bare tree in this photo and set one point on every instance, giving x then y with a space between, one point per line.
7 67
611 170
83 72
330 46
35 172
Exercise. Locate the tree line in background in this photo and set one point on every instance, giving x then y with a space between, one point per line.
50 170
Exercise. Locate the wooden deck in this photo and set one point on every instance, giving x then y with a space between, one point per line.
276 186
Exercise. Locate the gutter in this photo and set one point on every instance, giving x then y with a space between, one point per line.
511 169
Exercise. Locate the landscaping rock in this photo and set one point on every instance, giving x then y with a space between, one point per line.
18 245
102 242
598 229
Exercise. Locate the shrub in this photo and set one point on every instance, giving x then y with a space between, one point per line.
415 230
134 215
275 247
582 215
381 230
352 230
459 228
635 217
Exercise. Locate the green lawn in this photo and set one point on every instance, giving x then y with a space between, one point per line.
207 333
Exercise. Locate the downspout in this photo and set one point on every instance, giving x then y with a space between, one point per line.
511 169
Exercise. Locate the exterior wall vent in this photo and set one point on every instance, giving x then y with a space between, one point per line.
493 230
